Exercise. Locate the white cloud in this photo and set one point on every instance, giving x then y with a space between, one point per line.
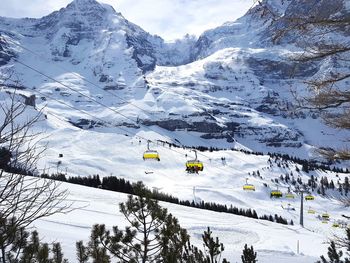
30 8
168 18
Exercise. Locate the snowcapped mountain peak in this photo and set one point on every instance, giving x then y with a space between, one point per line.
90 10
85 2
82 5
88 7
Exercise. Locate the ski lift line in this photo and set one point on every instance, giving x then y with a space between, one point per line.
81 77
111 93
74 90
97 86
94 117
84 95
105 106
82 111
102 120
66 104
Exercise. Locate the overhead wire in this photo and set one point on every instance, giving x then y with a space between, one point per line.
95 117
111 124
102 120
111 93
97 86
82 111
92 99
107 91
86 113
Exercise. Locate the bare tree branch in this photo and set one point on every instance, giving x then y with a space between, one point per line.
23 198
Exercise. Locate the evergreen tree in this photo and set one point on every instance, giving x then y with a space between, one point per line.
305 167
192 254
249 256
153 235
333 255
57 253
331 185
97 249
323 192
27 248
213 248
346 186
82 252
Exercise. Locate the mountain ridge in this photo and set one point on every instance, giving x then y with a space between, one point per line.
232 84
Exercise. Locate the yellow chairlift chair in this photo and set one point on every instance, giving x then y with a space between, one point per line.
248 187
289 195
311 211
309 197
150 154
194 166
325 216
276 193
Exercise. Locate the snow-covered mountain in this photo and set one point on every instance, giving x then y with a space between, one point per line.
106 87
233 84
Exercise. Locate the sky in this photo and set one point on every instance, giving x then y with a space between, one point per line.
169 19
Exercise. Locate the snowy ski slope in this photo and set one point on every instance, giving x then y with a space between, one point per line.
101 82
109 153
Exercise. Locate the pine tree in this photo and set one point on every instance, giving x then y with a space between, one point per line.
57 253
82 252
323 192
30 249
153 234
213 248
42 255
346 185
249 256
97 251
333 255
192 254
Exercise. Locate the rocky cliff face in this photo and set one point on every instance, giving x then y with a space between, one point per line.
270 23
5 52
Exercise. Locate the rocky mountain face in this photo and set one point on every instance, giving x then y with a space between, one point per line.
87 21
231 84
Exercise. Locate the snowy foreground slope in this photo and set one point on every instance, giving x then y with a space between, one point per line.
105 152
273 242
